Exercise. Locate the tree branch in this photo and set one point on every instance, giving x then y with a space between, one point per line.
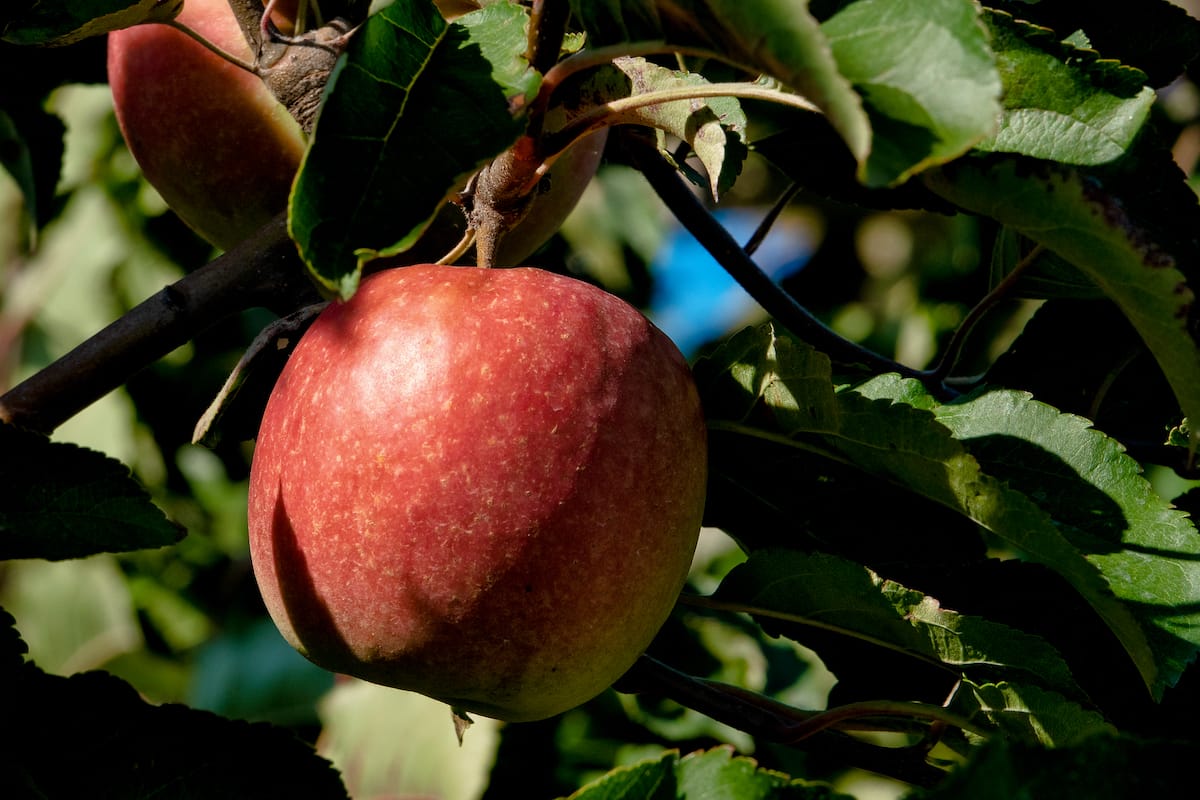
697 220
772 721
263 271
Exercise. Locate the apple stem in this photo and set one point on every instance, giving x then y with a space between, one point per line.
248 66
460 249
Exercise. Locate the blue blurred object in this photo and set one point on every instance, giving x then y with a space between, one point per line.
695 301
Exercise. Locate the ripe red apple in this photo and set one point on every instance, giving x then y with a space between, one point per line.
209 136
484 485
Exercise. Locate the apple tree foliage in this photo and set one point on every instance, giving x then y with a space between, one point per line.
970 567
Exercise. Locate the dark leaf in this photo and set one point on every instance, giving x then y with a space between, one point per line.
61 501
1099 768
91 735
41 23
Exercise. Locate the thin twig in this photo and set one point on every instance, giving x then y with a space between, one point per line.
993 298
770 720
768 222
697 220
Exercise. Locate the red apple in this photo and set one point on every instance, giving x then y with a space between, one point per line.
209 136
481 485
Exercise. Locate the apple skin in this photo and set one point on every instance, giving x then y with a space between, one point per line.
209 136
483 485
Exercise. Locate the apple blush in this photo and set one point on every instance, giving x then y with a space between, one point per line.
483 485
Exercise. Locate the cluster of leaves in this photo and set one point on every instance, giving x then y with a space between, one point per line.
981 560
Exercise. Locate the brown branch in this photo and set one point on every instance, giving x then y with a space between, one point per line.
773 721
263 271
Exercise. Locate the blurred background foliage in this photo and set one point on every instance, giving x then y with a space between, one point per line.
185 624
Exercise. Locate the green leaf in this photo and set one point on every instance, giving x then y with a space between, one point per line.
1028 713
1077 216
1047 276
1062 103
717 773
713 127
1099 768
779 38
927 78
651 779
835 594
40 23
764 386
702 775
62 501
412 110
1161 38
1148 551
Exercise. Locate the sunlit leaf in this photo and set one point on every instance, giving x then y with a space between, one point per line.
1028 713
713 127
1099 499
362 724
927 77
778 38
1060 102
714 773
652 779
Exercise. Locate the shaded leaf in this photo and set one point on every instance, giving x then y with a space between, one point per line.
927 78
886 427
61 501
834 594
1028 713
1060 102
833 174
1083 357
237 409
1049 275
42 23
91 735
1078 217
413 109
1099 768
